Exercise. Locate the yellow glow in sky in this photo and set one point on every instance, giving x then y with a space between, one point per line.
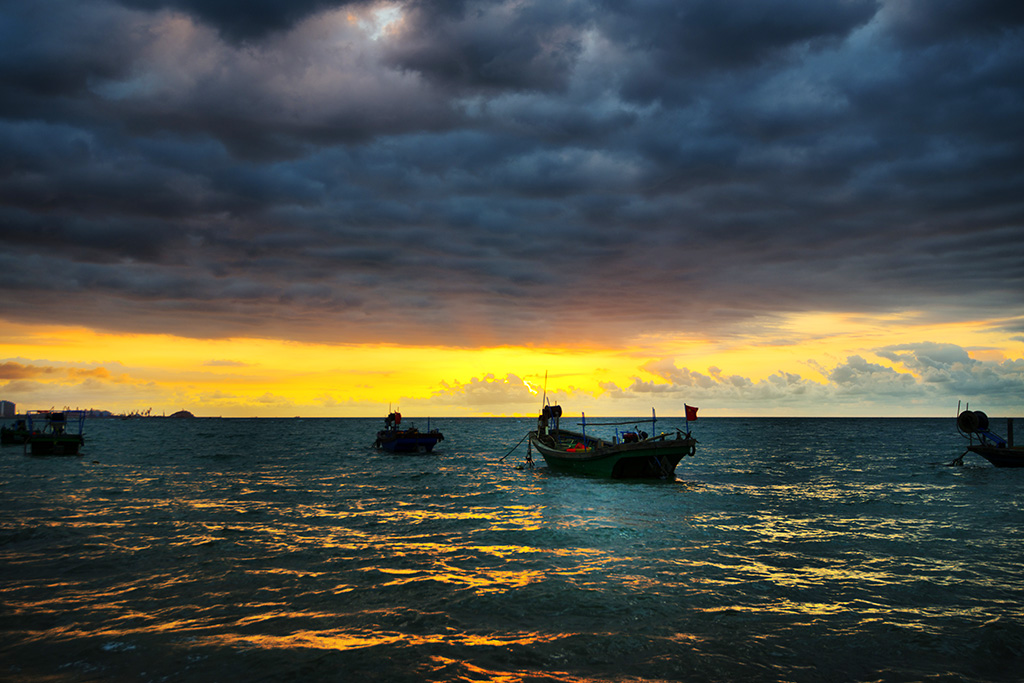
233 377
76 367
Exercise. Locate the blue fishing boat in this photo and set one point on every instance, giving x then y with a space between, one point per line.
394 439
974 425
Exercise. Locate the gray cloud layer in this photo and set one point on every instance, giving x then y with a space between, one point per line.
498 172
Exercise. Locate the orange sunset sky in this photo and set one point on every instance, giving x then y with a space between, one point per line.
836 366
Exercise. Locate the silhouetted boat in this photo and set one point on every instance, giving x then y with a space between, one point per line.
55 432
974 424
631 455
409 440
16 435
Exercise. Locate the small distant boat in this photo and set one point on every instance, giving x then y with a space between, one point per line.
974 424
630 455
409 440
16 435
55 432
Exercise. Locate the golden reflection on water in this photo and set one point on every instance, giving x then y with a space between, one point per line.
493 581
406 556
446 669
521 517
784 606
340 640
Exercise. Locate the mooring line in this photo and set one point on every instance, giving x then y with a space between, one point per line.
514 447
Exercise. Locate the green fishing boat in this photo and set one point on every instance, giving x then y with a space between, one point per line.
629 455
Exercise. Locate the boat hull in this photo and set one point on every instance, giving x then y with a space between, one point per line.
655 458
404 442
1000 456
54 445
13 437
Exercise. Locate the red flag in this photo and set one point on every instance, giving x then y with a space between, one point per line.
691 413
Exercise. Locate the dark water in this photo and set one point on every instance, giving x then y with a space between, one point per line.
786 550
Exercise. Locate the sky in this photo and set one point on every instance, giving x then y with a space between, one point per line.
466 208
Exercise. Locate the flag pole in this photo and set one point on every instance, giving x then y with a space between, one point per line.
691 416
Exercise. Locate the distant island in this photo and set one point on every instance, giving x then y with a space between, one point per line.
181 413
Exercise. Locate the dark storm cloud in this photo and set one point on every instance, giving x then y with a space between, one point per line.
241 20
490 172
53 49
935 21
492 46
672 42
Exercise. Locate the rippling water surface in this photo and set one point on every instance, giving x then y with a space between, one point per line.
789 550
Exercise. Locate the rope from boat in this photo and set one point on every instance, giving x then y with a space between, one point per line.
514 447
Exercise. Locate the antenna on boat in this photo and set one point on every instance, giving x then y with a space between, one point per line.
544 399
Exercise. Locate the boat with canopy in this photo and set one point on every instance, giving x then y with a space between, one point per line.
54 432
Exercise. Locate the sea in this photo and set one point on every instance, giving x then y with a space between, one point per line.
230 550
